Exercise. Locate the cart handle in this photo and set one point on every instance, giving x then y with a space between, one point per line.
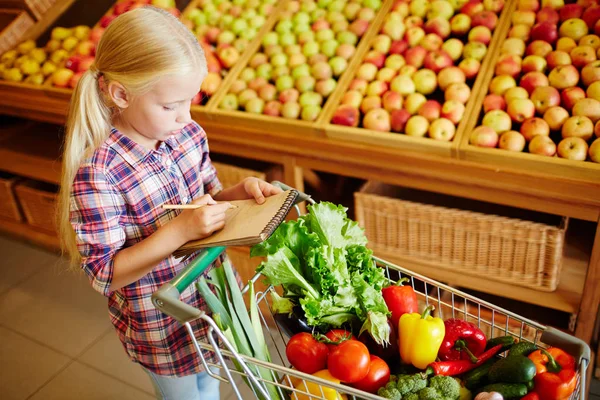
301 196
166 298
570 344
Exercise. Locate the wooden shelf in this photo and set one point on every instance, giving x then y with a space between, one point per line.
23 231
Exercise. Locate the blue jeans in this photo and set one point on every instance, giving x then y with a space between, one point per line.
192 387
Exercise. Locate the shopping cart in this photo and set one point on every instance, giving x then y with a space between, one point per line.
295 385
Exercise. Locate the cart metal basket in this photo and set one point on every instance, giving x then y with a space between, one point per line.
295 385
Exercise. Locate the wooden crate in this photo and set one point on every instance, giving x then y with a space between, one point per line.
38 201
409 143
9 208
14 24
466 238
39 7
509 160
254 122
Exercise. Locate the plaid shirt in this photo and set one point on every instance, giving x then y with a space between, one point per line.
115 203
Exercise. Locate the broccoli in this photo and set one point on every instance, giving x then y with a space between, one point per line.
411 396
389 393
440 388
429 393
411 383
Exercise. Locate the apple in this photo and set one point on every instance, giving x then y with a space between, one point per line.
255 105
575 28
359 85
376 58
555 117
523 17
498 120
578 126
547 14
513 46
414 35
346 115
394 29
291 110
557 58
542 145
564 76
483 136
272 108
450 75
538 48
509 64
597 129
345 50
358 27
534 126
582 55
267 92
591 15
593 91
480 34
520 31
237 86
570 96
385 75
407 70
378 120
431 42
377 88
493 102
565 44
310 112
370 103
398 47
555 4
475 50
437 60
425 81
353 98
485 18
228 56
403 85
570 11
460 24
415 56
520 109
470 67
512 141
544 97
500 84
431 110
459 92
528 5
594 151
515 93
573 148
472 7
438 26
289 95
310 98
440 9
442 129
256 83
453 47
493 5
338 65
367 72
398 119
417 126
413 102
545 31
590 40
587 107
394 62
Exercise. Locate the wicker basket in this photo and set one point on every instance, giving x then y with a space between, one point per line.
38 201
230 175
473 241
13 26
9 208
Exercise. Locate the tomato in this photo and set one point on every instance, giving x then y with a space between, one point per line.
306 354
318 391
337 335
349 361
378 376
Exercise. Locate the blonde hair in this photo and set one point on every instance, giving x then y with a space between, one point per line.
136 50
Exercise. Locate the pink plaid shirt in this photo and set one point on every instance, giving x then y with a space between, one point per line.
116 202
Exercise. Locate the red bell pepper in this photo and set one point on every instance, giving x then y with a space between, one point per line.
458 367
463 340
400 300
556 377
531 396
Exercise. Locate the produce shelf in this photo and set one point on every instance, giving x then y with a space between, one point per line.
31 234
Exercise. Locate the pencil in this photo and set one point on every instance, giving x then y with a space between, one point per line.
188 206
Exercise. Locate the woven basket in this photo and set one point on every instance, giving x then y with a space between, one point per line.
38 201
501 248
9 208
13 26
230 175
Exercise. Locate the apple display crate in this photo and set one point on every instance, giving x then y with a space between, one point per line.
39 7
9 209
505 249
38 201
415 143
281 125
585 171
14 23
290 383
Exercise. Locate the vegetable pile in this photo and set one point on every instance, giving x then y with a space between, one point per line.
324 266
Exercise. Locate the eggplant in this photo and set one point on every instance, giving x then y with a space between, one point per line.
390 353
293 323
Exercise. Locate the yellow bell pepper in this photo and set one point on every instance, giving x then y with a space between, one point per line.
421 336
321 392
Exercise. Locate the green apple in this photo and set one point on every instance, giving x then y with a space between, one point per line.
248 14
255 105
291 110
285 25
265 9
336 5
264 71
308 6
238 26
305 84
282 70
209 8
245 96
301 70
374 4
284 82
286 39
310 98
298 29
226 21
200 18
301 18
229 102
270 38
310 49
338 65
213 17
328 47
257 22
310 112
279 59
293 49
324 3
226 37
324 34
247 74
319 13
333 16
347 38
239 2
306 37
249 34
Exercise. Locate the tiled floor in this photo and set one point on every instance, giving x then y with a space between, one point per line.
56 341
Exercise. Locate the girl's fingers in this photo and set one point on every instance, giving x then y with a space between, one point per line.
204 200
272 190
256 192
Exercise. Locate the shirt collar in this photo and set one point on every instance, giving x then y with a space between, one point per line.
134 153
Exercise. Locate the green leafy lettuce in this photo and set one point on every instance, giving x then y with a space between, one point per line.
323 264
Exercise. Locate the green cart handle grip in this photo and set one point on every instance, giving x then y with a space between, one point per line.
301 196
166 298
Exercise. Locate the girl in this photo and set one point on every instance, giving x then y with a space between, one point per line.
132 146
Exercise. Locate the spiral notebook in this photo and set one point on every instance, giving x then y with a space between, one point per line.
248 224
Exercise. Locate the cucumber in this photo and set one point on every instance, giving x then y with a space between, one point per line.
507 390
512 369
522 349
478 377
530 386
505 341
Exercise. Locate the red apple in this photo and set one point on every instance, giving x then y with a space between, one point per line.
360 84
528 5
591 16
272 108
416 56
453 110
570 96
555 117
439 26
376 58
85 63
590 40
545 31
470 67
359 27
539 48
557 58
578 126
72 63
437 60
493 102
588 108
483 136
459 92
430 110
399 118
534 64
594 151
508 64
74 79
346 115
534 126
481 34
95 34
431 42
520 109
472 7
392 101
582 55
485 18
548 14
520 31
398 47
370 103
378 120
565 44
512 141
570 11
542 145
450 75
573 148
352 97
544 97
532 80
442 129
564 76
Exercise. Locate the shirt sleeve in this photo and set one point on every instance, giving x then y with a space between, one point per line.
210 181
96 208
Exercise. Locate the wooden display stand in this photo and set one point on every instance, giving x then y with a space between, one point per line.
533 183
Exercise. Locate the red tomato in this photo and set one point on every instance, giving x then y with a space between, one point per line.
337 335
306 354
349 361
378 376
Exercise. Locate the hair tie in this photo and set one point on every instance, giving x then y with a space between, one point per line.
101 82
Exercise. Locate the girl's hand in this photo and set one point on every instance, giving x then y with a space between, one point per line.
202 222
259 189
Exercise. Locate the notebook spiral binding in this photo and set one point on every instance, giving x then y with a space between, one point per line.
280 216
